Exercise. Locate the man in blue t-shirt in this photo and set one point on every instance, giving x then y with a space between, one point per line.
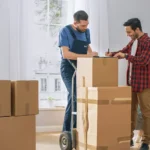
74 42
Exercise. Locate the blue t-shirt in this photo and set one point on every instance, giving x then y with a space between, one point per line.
66 39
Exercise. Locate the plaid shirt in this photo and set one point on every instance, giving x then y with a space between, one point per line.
140 78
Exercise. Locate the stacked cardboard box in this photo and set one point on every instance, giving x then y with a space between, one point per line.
18 107
24 98
103 108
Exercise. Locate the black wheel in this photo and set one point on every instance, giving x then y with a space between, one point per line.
65 141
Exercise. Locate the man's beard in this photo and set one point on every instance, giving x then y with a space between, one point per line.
136 36
80 30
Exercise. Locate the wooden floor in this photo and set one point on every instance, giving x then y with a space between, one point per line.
50 141
47 141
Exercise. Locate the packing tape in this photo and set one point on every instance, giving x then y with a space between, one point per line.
27 108
83 81
121 101
85 120
27 85
124 139
106 102
98 102
0 109
104 61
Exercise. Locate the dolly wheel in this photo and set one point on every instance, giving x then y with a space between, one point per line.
65 141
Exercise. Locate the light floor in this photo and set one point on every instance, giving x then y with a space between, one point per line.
50 141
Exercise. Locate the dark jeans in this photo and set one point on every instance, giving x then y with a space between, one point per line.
66 73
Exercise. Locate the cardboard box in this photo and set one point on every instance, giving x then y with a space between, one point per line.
97 72
5 98
24 98
17 133
104 118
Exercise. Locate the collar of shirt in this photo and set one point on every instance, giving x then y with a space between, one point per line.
144 36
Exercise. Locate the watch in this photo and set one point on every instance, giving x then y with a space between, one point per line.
126 56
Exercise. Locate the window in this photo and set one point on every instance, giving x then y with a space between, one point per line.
49 17
43 85
57 85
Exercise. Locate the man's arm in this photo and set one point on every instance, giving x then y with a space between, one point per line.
66 53
141 60
73 56
89 49
124 50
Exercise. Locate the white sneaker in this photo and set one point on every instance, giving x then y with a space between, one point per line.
138 139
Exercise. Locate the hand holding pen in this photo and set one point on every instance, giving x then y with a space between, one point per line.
108 53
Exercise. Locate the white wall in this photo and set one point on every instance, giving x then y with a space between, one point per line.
47 120
120 11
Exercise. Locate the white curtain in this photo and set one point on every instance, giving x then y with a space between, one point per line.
4 38
20 43
98 22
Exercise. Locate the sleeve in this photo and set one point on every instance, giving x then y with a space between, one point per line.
63 38
144 59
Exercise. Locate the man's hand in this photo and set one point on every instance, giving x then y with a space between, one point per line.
92 54
120 55
108 54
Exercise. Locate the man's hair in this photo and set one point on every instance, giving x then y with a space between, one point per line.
80 15
134 23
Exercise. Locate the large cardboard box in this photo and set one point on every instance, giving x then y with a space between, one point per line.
17 133
5 98
104 118
24 98
97 72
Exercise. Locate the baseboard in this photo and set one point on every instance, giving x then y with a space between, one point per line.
48 128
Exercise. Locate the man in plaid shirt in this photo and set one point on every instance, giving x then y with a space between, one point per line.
137 53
